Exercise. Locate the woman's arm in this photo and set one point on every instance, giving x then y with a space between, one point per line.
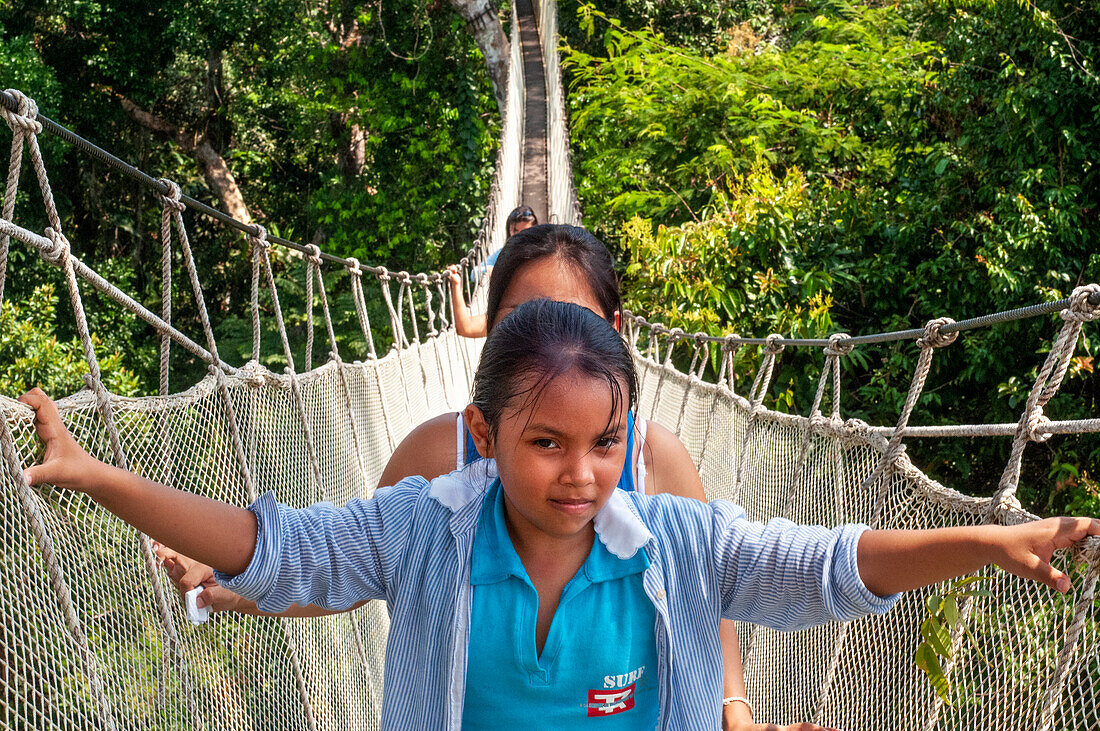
218 534
467 324
188 574
900 560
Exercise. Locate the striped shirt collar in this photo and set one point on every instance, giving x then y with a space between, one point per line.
618 525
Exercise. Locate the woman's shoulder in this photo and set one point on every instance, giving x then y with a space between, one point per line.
429 450
669 467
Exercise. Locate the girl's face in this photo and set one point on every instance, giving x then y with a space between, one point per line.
550 278
559 457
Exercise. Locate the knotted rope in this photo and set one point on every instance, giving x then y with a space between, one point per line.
23 125
772 348
933 338
356 278
730 346
58 251
1004 505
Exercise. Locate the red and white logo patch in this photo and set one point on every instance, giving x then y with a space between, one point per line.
608 702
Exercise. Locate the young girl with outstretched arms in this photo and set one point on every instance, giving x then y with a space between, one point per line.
499 577
567 264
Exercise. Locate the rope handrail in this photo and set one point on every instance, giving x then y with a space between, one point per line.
974 323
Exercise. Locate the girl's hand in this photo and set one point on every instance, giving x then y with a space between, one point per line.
1025 550
186 574
454 274
65 462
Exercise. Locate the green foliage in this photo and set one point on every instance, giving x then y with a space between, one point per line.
944 620
277 87
32 355
861 168
751 257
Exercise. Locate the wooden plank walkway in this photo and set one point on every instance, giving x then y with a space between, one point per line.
534 190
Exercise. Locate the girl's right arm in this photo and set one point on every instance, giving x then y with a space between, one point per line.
215 533
279 556
428 450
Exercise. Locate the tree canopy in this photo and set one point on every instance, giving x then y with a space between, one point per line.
828 166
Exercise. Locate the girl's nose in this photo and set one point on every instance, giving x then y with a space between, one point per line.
579 472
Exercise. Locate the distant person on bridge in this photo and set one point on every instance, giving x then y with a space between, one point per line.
474 326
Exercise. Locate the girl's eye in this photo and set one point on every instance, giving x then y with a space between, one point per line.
607 442
545 443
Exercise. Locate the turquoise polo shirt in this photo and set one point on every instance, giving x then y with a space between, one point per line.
598 668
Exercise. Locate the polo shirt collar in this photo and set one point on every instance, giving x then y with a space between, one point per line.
495 557
620 528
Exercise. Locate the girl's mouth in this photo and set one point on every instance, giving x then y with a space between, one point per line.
571 506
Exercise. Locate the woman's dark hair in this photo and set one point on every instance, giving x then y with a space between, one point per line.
539 341
520 215
573 245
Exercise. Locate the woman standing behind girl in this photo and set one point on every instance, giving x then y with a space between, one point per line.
566 264
502 601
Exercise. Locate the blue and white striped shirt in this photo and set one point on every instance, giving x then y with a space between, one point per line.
411 546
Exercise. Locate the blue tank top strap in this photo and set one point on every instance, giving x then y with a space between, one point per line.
626 479
470 454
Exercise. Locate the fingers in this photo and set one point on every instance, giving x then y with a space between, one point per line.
46 415
1042 571
1071 530
45 411
33 475
1052 577
37 399
198 574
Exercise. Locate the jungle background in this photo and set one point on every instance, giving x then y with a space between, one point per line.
802 167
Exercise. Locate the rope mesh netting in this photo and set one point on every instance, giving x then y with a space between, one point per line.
94 636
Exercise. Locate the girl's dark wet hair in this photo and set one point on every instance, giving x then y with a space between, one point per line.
520 215
539 341
573 245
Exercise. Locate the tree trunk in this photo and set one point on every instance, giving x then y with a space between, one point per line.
482 21
214 169
350 137
351 145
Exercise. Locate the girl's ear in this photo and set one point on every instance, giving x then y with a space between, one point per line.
479 430
618 321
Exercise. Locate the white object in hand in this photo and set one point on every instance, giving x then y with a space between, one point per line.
195 613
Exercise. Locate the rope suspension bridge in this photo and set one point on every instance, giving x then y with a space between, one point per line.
91 637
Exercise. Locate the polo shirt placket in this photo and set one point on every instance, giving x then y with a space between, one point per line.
599 659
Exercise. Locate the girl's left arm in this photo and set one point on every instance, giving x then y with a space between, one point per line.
899 560
215 533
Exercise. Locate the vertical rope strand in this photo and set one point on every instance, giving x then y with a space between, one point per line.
314 263
58 582
259 244
22 124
